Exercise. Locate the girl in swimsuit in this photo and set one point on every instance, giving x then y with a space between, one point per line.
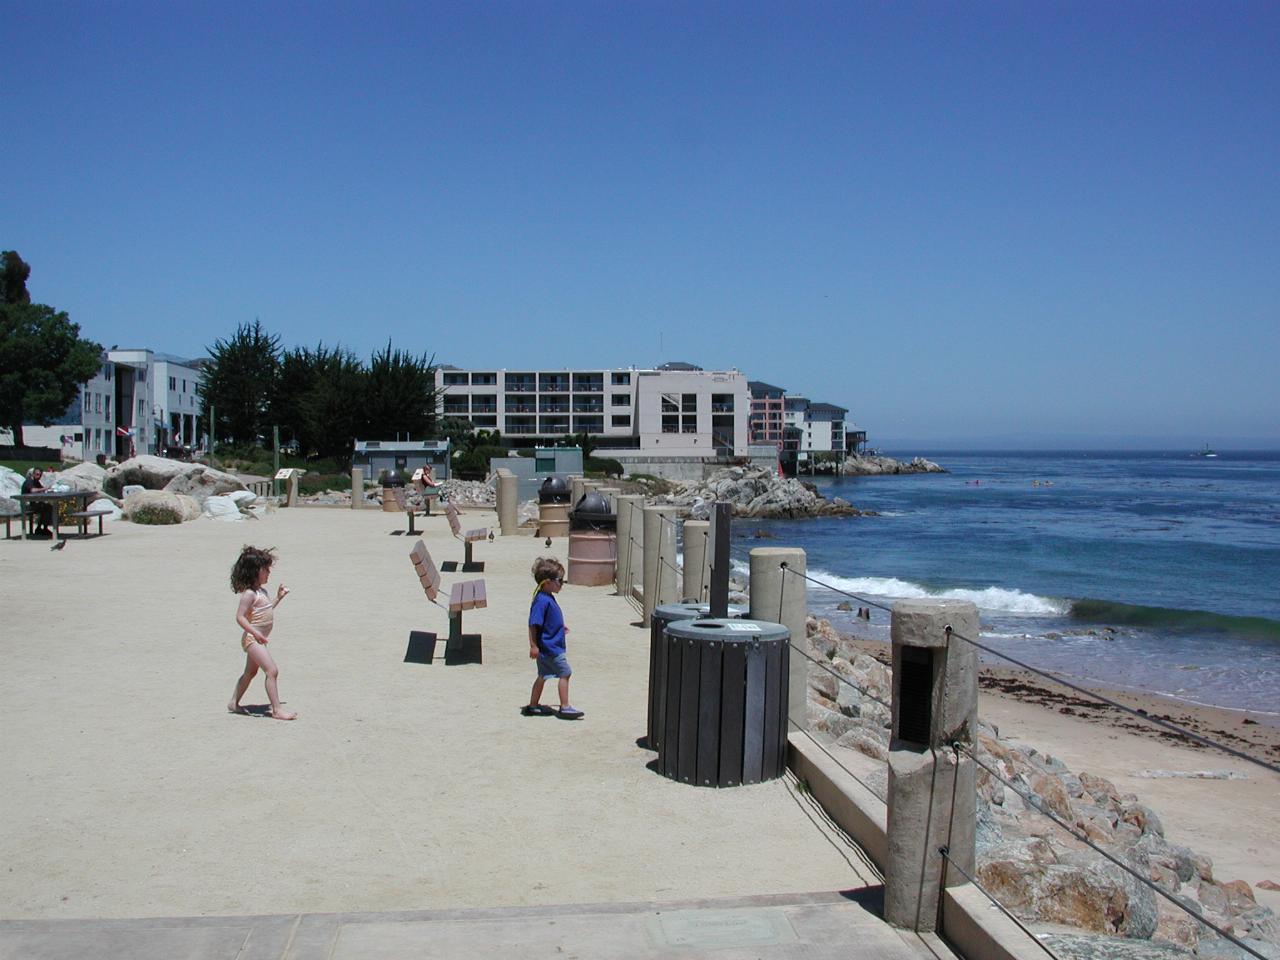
255 616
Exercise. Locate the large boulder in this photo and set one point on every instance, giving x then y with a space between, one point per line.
10 482
160 507
201 483
154 473
83 477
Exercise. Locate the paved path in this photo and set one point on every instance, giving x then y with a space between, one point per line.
780 927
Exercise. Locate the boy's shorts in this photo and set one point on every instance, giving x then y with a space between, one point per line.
553 668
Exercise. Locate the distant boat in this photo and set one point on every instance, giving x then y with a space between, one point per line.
1206 453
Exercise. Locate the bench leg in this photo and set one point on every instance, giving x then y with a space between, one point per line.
461 647
412 531
468 564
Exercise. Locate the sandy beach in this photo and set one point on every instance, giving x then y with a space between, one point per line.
130 791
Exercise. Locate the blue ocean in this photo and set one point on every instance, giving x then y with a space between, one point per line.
1151 571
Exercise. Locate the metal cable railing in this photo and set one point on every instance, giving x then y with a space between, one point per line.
1085 691
836 760
946 855
1036 803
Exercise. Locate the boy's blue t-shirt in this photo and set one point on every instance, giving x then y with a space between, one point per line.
544 613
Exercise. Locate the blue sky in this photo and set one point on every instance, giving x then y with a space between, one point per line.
1022 223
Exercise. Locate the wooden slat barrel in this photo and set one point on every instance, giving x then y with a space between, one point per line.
663 615
725 714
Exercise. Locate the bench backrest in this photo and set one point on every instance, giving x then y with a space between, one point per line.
423 565
451 512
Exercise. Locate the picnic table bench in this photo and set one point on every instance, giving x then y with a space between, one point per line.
463 595
468 537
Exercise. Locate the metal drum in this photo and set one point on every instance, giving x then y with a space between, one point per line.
658 620
725 717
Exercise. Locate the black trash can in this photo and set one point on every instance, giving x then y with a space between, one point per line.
658 620
725 716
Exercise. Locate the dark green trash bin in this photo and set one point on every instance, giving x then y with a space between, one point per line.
724 716
658 620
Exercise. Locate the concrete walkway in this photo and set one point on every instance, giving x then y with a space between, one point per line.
781 927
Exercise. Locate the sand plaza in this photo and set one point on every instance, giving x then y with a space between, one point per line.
410 810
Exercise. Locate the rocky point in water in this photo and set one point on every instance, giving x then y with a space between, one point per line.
869 465
756 492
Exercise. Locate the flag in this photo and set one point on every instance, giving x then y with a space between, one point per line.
121 432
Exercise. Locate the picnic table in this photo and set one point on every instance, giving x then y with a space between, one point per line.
56 498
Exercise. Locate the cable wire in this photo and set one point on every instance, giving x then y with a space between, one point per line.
852 596
843 679
1036 803
945 852
1182 731
834 759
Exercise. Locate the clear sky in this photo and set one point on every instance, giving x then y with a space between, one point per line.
978 222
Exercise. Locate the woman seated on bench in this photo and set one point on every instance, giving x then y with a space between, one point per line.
424 479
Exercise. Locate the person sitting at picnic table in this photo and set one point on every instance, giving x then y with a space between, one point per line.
43 511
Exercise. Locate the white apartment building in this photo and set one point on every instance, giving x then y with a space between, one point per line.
811 428
138 402
677 410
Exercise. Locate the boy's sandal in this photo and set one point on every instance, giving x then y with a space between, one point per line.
538 710
570 713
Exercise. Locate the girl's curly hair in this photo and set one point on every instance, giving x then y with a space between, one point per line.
251 562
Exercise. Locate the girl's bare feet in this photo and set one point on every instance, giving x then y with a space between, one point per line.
283 715
236 708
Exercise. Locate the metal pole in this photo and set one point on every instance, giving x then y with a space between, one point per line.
720 529
213 432
275 440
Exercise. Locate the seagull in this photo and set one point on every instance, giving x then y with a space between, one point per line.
548 541
59 545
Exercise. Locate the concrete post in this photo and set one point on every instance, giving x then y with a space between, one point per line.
697 567
508 500
778 594
357 488
291 492
932 788
630 530
659 558
576 487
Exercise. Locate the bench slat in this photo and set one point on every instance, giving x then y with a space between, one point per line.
481 599
456 599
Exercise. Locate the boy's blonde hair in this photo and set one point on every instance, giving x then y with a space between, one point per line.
544 568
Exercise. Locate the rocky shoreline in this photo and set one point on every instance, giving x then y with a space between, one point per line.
871 465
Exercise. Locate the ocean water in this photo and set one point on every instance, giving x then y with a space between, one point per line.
1150 571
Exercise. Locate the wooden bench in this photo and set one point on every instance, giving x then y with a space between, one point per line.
468 537
402 501
82 518
464 595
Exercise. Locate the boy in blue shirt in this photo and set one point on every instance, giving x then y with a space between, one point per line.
547 641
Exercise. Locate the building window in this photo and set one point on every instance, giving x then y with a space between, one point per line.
623 420
108 408
689 423
106 371
546 465
671 423
184 386
689 402
620 400
455 379
722 403
670 404
484 379
620 379
97 404
173 383
142 376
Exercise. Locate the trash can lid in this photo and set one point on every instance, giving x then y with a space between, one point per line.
392 479
727 631
691 611
553 490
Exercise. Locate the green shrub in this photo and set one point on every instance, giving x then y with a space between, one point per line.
154 514
605 466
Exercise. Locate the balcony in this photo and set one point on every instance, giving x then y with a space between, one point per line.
456 409
515 406
522 429
521 386
484 408
588 408
545 407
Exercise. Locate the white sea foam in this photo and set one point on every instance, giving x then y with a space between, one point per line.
989 599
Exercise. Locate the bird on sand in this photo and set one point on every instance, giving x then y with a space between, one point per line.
547 541
59 545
